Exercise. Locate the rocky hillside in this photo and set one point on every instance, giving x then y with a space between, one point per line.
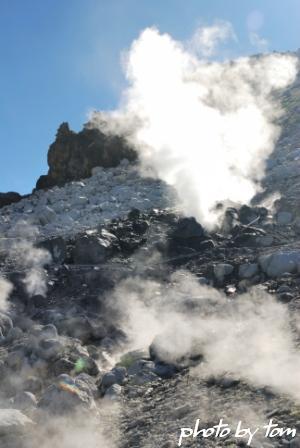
106 275
122 322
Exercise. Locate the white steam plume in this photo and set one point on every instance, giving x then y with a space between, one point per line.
206 128
206 39
30 258
250 338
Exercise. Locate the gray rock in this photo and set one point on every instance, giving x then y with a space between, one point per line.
113 392
5 323
87 382
33 384
264 240
14 334
222 270
45 215
284 218
141 366
144 378
65 397
116 376
283 288
49 348
278 263
63 365
43 331
92 249
16 359
12 421
248 270
165 371
24 400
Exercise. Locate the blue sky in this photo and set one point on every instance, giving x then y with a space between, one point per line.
61 58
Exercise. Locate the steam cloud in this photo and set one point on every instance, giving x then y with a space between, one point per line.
204 127
250 338
30 258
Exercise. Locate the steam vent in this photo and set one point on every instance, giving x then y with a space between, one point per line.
150 281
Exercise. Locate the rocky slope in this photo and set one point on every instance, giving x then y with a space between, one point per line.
66 349
122 321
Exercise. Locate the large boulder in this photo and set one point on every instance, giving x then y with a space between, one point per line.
73 155
116 376
66 396
93 249
278 263
188 233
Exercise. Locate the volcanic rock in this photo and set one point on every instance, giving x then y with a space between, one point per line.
9 198
278 263
73 155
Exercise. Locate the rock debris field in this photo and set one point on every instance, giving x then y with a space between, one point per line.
123 321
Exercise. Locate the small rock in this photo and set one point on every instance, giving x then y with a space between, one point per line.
65 396
113 392
248 270
45 215
222 270
14 334
285 297
25 400
284 218
116 376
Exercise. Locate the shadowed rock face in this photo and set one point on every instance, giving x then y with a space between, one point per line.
9 198
73 155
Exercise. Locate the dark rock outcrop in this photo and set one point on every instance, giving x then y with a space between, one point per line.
9 198
73 155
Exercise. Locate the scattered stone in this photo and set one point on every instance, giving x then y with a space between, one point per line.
113 392
222 270
6 323
284 218
45 215
277 263
25 400
116 376
91 249
65 397
248 270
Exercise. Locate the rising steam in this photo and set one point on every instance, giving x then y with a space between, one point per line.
250 338
204 127
29 258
